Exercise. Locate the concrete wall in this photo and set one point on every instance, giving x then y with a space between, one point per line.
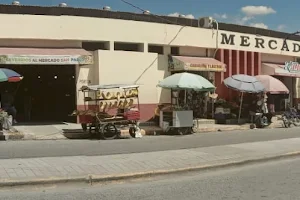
113 67
279 59
193 51
101 29
87 75
39 43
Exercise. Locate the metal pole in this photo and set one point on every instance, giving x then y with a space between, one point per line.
240 108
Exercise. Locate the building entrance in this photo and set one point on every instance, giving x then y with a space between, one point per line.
47 93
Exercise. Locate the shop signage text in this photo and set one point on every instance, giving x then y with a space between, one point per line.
208 67
178 65
292 66
259 42
46 60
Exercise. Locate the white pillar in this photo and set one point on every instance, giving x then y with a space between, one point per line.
110 45
167 50
143 47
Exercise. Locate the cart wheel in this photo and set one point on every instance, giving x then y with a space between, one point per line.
109 132
132 131
184 131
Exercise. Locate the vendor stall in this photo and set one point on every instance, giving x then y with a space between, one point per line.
245 84
116 105
179 116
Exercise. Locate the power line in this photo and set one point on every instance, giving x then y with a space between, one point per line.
143 10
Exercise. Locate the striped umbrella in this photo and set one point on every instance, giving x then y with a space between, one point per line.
9 75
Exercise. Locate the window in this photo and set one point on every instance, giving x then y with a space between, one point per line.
156 49
175 51
122 46
93 46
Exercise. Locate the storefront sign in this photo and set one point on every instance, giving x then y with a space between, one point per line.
207 67
259 42
293 67
179 65
46 60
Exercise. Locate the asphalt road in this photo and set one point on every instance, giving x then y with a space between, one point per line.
278 180
55 148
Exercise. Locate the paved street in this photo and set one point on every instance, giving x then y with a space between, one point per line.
50 148
278 180
81 168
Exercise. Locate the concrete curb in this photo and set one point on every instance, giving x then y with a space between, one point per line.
96 178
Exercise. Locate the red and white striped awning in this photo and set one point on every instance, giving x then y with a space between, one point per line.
278 70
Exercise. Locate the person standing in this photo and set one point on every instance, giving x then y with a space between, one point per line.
7 103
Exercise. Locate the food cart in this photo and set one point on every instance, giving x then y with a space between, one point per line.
107 108
179 117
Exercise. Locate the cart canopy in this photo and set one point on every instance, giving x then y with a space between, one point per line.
109 86
187 81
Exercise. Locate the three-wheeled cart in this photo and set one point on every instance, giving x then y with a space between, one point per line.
107 108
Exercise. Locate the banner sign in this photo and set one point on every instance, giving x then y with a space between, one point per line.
178 65
46 60
293 67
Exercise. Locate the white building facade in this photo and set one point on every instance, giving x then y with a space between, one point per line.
104 50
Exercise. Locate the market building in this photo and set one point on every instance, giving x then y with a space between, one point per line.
60 49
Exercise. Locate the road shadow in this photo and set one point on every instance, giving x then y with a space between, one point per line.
79 134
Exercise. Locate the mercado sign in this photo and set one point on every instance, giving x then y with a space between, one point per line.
46 59
293 67
199 64
259 42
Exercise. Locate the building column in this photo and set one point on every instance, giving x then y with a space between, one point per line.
167 50
252 64
143 47
221 59
229 62
258 63
219 76
237 61
110 45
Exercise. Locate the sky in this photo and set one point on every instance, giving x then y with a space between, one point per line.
269 14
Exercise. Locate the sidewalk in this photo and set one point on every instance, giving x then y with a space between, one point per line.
114 167
74 131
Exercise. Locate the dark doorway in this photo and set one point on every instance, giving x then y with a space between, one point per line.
50 90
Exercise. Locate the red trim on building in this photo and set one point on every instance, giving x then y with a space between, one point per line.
147 110
238 62
257 63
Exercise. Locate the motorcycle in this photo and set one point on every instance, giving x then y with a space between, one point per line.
290 117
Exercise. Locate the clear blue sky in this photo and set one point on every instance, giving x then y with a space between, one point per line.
272 14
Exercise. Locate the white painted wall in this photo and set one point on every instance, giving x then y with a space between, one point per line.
279 59
126 67
40 43
87 75
192 51
14 26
